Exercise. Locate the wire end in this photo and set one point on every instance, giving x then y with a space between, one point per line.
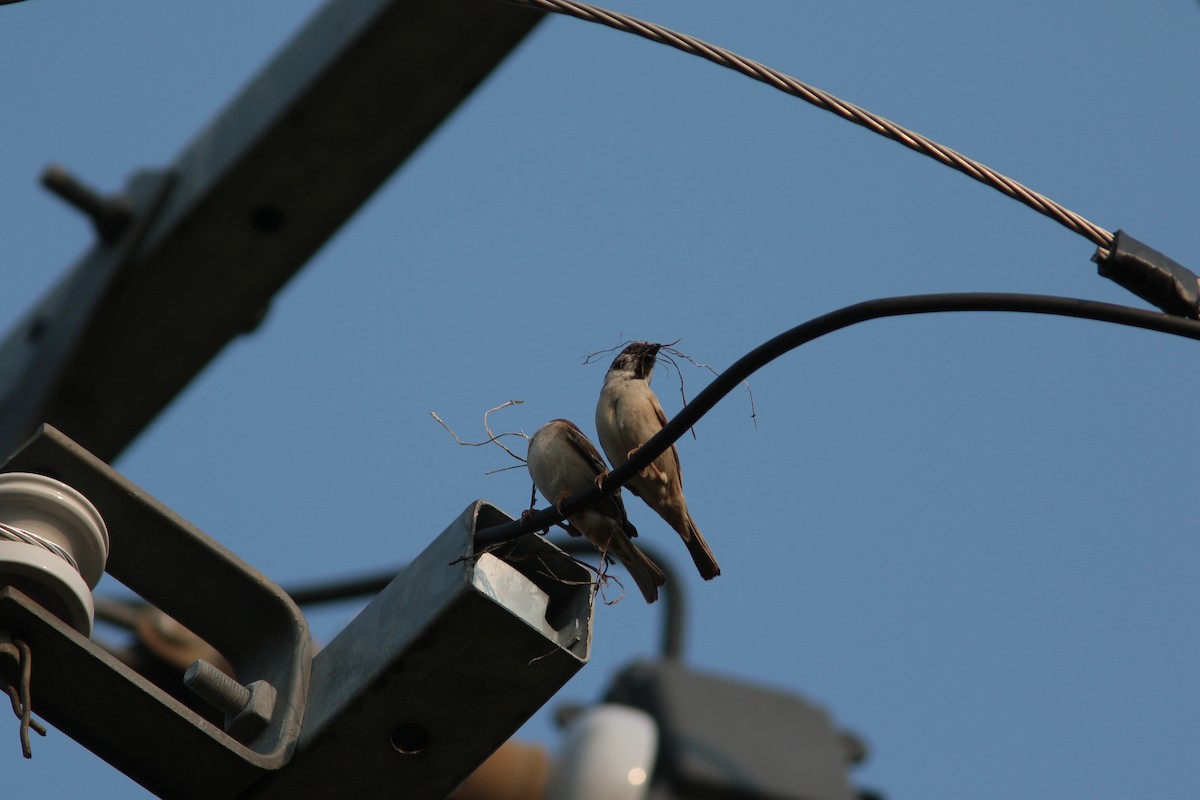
1151 275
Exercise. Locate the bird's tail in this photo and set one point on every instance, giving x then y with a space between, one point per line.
646 574
702 555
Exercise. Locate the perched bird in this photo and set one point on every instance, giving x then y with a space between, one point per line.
627 416
563 462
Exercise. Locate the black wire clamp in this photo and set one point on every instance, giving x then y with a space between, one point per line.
1150 275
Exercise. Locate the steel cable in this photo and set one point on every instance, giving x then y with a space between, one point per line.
12 533
822 99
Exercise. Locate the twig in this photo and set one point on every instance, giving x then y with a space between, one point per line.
510 433
596 355
493 438
670 350
749 391
505 469
664 355
603 579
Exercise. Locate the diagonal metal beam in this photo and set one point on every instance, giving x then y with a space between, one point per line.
251 199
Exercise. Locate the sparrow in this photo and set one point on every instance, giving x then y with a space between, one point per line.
627 416
563 462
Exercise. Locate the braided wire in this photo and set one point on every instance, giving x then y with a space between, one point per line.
12 533
822 99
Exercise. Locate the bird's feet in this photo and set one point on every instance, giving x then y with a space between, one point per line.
600 478
566 524
651 470
560 499
529 512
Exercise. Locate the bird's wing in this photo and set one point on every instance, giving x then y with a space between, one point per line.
662 423
591 455
586 449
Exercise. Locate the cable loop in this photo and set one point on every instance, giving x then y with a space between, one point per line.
18 654
14 534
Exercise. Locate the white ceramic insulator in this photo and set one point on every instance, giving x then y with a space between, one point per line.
55 512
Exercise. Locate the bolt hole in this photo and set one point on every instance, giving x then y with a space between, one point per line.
410 739
266 218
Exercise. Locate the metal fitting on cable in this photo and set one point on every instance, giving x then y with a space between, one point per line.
1150 275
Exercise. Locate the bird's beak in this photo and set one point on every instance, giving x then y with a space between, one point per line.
646 362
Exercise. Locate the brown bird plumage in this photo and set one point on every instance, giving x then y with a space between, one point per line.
563 462
627 416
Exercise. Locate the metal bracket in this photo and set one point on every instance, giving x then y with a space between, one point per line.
34 352
441 668
120 715
434 675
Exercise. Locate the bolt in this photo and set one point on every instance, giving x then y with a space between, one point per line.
216 688
109 215
247 709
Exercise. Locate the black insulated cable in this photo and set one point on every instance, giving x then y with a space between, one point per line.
806 332
674 606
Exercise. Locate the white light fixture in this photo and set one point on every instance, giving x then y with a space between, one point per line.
608 755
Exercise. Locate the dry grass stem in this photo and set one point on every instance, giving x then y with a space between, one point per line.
665 353
493 438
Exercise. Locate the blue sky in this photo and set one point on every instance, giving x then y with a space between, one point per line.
970 537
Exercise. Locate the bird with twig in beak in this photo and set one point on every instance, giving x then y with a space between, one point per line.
627 416
563 462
